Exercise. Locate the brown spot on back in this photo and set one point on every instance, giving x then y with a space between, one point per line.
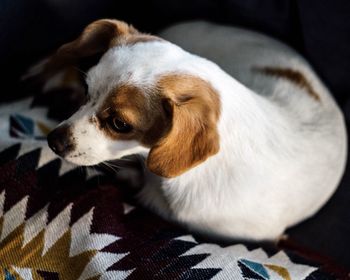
292 75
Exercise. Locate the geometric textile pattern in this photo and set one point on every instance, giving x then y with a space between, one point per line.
237 261
25 127
60 221
29 247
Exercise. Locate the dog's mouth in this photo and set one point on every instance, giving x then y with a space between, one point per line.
80 158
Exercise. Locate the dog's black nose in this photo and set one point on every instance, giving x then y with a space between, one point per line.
60 140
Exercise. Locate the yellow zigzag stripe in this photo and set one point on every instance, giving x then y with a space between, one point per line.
281 271
55 260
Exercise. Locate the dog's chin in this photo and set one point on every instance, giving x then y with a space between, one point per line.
84 160
81 160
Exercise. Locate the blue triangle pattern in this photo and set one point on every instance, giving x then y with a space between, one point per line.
249 274
26 124
256 267
8 275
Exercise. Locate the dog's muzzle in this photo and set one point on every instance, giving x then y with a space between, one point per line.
60 140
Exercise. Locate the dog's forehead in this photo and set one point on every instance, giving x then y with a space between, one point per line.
139 64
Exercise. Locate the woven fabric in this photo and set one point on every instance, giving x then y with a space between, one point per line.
60 221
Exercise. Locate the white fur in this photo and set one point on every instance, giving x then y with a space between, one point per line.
282 153
92 145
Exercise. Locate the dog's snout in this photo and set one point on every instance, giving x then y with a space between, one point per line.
60 140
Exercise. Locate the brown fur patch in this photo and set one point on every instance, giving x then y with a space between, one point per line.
134 39
85 51
129 104
95 39
101 35
177 119
193 136
291 75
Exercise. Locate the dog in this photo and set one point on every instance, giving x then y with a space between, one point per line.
239 137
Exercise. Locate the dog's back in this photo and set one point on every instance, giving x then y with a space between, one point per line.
283 77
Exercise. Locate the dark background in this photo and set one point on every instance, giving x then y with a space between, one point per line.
319 29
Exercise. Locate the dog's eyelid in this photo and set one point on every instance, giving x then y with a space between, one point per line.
119 125
108 115
119 115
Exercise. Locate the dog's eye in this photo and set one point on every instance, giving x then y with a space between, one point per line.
120 126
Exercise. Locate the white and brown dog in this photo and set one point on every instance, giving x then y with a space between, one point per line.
243 150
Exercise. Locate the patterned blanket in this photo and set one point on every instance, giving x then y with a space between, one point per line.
60 221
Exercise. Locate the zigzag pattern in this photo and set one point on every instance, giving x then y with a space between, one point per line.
81 239
230 260
53 212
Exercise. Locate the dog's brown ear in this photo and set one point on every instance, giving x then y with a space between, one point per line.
74 58
97 37
193 137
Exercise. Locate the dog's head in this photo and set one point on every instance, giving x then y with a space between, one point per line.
138 100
